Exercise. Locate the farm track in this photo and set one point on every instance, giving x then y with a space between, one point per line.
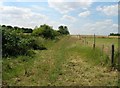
60 67
66 68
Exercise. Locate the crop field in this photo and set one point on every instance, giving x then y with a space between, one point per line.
69 61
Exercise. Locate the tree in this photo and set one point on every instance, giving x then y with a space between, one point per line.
16 27
60 27
44 31
26 30
3 26
114 34
63 30
9 27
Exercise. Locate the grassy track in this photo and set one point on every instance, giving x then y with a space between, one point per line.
66 62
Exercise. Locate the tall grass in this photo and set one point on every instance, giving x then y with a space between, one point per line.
14 67
59 58
116 60
94 56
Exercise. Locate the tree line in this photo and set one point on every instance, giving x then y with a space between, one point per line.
47 31
114 34
21 41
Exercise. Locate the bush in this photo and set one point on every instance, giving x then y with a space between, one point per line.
10 40
34 44
15 43
45 31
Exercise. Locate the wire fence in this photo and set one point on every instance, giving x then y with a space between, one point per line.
110 49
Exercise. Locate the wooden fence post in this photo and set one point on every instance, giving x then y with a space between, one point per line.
112 56
94 42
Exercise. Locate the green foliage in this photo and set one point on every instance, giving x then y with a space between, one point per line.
27 30
114 34
47 32
56 33
33 43
10 42
63 30
18 41
44 31
23 30
14 42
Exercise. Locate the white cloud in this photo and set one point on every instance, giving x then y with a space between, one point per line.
19 16
25 17
68 18
61 6
85 3
66 6
84 14
100 28
111 10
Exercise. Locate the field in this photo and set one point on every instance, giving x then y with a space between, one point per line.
69 61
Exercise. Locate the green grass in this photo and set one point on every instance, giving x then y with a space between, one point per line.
104 47
60 58
107 42
94 56
16 67
66 62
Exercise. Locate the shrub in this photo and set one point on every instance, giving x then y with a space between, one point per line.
15 43
10 40
34 44
45 31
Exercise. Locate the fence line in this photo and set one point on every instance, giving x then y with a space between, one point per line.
108 49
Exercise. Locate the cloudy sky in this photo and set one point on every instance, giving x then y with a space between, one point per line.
81 17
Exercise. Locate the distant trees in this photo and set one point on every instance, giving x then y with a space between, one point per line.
114 34
63 30
48 32
24 30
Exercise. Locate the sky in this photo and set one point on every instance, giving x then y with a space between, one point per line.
80 16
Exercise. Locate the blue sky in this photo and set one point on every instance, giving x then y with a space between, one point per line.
81 17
